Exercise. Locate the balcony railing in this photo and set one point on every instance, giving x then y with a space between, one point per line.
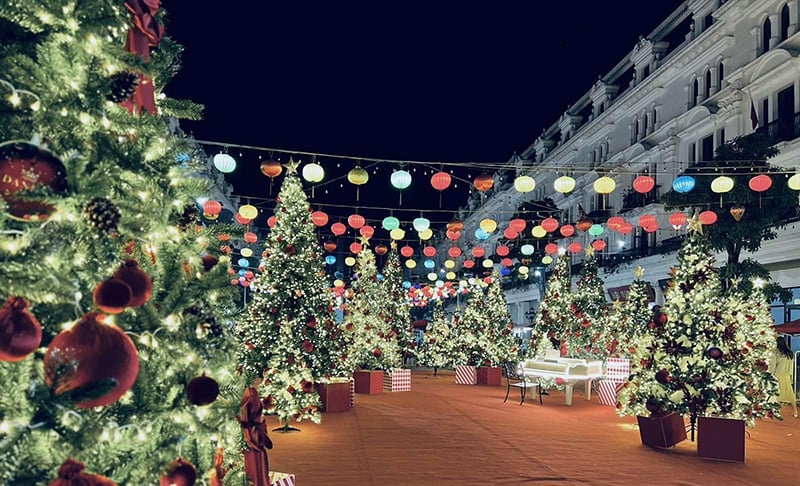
782 130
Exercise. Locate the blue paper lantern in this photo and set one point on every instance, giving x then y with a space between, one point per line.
380 277
421 224
330 259
242 272
683 184
430 264
338 274
505 271
243 262
400 179
481 235
406 284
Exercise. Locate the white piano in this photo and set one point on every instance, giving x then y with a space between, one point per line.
570 370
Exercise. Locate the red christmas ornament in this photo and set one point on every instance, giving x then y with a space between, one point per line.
377 352
71 474
92 353
202 390
25 167
20 331
308 386
307 346
112 296
209 261
290 250
180 472
139 282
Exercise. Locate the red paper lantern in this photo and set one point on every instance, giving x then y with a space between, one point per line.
599 245
478 252
677 220
650 228
112 296
615 222
250 237
510 233
212 207
356 248
567 230
453 235
20 331
454 252
271 168
760 183
455 225
507 262
551 248
407 251
249 275
550 224
241 220
575 248
502 250
224 237
319 218
139 282
648 220
708 217
440 181
381 249
338 229
625 228
584 224
518 225
643 184
356 221
366 231
483 182
272 221
469 263
103 353
329 245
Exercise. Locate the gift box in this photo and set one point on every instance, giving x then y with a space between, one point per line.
336 396
281 479
618 369
608 390
397 381
369 382
662 430
466 375
352 392
489 375
720 438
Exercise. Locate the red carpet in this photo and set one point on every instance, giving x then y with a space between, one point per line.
441 433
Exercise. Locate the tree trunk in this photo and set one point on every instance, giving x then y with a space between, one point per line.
733 254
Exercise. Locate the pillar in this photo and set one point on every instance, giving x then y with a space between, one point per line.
775 30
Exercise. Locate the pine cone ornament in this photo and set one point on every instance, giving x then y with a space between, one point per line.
121 86
102 214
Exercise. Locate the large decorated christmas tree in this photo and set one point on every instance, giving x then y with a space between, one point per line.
289 339
114 348
397 310
631 321
554 313
487 316
435 349
585 336
375 344
709 356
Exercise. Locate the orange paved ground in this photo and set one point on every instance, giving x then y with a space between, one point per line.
441 433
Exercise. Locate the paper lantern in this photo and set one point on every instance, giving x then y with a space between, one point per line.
432 276
760 183
507 262
250 237
381 250
794 182
524 184
366 231
338 283
397 234
400 179
390 222
241 220
604 185
708 217
349 261
356 221
449 264
550 224
271 221
647 220
429 251
547 259
224 163
481 235
271 168
455 225
338 229
538 232
358 176
450 276
625 228
488 225
567 230
527 250
243 262
478 251
650 228
615 222
421 224
356 248
319 218
330 259
248 211
551 249
564 184
469 264
737 212
643 184
596 230
487 263
429 264
411 264
721 184
454 252
329 245
502 250
483 182
407 251
425 234
313 172
584 224
599 245
683 184
575 248
440 181
517 225
677 220
453 235
212 207
523 269
510 233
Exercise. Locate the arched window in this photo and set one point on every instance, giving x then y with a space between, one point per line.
784 23
635 129
720 74
708 83
693 94
766 33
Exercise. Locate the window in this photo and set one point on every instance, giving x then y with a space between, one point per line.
707 148
646 124
654 117
635 130
708 83
764 112
721 137
695 87
784 23
766 33
708 21
646 71
720 74
692 157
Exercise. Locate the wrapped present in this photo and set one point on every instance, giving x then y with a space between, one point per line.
336 395
489 375
466 375
721 438
618 369
608 391
398 380
369 382
662 430
281 479
352 392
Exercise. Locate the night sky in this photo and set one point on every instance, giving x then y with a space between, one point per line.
432 81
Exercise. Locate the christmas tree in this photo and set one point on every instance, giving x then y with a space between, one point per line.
554 313
434 350
462 338
633 319
397 311
104 221
703 358
375 344
289 338
585 336
490 323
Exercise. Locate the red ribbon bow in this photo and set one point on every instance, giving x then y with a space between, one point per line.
145 33
254 427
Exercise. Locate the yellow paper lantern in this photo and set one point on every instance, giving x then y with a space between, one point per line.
349 261
564 184
425 234
523 269
488 263
721 184
358 176
248 211
338 283
432 276
524 184
488 225
313 172
397 234
449 264
538 232
547 259
246 252
450 276
604 185
794 182
411 264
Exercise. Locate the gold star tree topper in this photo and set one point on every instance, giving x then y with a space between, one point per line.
364 240
695 225
589 251
617 304
638 272
291 166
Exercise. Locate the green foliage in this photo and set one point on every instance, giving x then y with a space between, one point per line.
491 342
631 323
435 349
554 312
397 311
588 316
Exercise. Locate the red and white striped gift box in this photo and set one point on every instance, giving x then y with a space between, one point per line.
608 391
618 369
281 479
466 375
352 392
397 381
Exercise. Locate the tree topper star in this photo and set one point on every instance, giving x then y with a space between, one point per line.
364 240
394 245
695 225
291 166
617 304
638 272
589 251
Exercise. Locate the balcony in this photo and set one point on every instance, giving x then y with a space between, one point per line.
781 130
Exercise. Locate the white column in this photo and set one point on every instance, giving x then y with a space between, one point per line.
656 118
755 32
714 81
701 89
792 17
775 30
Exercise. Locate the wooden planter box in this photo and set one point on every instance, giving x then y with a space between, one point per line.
662 431
335 397
489 375
720 438
369 382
